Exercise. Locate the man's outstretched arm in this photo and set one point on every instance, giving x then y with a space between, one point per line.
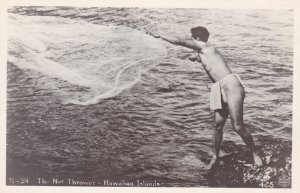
196 45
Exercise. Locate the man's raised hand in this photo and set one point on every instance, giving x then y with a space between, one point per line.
152 33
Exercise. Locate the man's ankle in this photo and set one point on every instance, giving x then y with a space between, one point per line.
255 152
214 157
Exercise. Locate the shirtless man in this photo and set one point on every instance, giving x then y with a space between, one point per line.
227 93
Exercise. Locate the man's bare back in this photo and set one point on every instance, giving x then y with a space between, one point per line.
213 63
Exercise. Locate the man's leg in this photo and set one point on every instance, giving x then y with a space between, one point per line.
220 119
235 105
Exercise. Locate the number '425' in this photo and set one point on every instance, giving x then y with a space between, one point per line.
266 184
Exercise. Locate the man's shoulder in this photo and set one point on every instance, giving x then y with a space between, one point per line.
208 48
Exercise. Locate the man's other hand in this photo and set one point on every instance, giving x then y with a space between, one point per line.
152 33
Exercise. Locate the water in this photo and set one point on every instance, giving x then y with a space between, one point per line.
91 95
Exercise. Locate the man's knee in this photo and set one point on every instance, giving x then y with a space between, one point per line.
238 127
219 126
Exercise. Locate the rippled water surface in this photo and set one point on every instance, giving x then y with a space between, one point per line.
91 95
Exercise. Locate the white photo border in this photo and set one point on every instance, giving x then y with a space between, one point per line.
222 4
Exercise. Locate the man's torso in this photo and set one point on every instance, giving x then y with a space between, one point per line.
213 63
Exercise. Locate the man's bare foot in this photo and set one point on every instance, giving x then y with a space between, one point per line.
257 160
211 164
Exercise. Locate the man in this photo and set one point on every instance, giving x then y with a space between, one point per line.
227 93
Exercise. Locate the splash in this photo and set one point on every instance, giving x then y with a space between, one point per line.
105 60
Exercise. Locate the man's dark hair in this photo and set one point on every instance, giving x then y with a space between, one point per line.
200 32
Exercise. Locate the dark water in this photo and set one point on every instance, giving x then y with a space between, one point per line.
91 97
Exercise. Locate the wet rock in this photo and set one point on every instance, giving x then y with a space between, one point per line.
237 169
